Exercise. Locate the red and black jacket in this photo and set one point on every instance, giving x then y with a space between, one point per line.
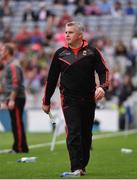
13 80
77 72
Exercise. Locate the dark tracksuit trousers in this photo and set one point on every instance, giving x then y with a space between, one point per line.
79 116
19 144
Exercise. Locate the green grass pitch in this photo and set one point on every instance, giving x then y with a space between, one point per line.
106 162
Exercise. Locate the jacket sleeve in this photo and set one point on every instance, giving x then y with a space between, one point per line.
102 70
16 77
52 79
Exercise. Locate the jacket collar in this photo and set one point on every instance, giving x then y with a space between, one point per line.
85 43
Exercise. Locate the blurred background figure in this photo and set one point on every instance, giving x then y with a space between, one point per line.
29 13
14 97
126 90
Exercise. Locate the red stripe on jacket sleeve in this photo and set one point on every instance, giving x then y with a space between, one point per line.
107 81
14 76
44 97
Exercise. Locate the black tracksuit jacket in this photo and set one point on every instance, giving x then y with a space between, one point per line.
77 72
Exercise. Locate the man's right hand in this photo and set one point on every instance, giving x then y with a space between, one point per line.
46 108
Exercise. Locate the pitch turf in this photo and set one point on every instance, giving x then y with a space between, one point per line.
107 161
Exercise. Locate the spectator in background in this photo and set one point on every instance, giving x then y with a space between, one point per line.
105 7
42 56
65 17
7 9
33 80
36 36
115 81
29 14
99 38
125 91
99 32
22 38
133 52
121 56
48 39
98 43
117 9
1 26
44 75
14 97
57 7
130 8
120 49
92 9
108 51
80 9
44 13
1 11
7 34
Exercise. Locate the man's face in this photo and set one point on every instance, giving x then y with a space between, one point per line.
72 35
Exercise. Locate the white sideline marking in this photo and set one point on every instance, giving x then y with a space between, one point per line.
101 136
109 135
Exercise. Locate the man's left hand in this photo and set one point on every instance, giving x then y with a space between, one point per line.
99 93
46 108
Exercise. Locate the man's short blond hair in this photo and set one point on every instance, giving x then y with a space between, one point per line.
79 26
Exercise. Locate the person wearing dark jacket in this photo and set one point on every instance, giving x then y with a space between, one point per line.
76 64
14 97
125 91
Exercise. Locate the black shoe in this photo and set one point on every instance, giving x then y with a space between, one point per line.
15 152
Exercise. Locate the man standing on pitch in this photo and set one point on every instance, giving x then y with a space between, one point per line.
14 97
76 64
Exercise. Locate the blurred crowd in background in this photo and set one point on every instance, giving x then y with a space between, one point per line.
36 28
